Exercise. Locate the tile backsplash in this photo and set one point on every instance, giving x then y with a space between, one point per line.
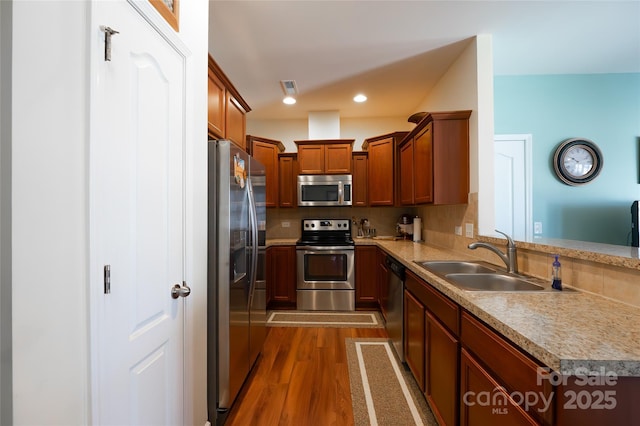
439 224
383 219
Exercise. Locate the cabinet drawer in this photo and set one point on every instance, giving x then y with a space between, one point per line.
513 369
442 308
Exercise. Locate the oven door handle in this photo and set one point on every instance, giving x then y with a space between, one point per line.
325 248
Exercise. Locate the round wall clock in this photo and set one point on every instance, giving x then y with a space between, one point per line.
577 161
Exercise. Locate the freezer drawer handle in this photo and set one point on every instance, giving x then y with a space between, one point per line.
180 290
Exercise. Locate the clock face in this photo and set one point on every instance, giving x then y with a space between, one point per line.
577 161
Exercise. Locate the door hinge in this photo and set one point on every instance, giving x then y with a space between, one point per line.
108 32
107 279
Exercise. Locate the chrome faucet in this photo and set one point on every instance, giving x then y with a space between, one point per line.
510 259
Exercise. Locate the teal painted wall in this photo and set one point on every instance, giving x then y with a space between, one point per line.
604 108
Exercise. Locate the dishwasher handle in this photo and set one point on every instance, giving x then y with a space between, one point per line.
396 267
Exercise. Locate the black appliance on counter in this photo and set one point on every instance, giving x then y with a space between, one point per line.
325 259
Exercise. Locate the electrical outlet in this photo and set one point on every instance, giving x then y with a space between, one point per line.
285 224
468 230
537 227
458 230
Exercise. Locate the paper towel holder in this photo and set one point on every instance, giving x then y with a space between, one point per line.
417 229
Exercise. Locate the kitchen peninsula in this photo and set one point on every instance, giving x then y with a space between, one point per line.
569 332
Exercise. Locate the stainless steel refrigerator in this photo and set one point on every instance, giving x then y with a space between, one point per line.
236 299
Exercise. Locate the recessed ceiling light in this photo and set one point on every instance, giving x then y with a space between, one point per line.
289 100
360 98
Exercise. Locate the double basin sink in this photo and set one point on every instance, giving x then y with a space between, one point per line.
476 276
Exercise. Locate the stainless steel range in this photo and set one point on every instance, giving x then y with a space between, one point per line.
325 266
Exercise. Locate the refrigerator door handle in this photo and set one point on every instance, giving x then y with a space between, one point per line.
254 241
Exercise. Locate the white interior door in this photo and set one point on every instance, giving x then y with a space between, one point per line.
512 166
137 221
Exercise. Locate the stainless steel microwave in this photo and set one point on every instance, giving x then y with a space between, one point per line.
324 190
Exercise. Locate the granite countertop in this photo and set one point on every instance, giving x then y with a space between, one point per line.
564 330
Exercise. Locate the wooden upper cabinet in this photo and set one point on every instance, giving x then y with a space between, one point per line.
332 156
382 180
406 173
217 102
423 166
311 159
451 158
359 169
226 110
266 152
439 156
288 176
337 158
235 122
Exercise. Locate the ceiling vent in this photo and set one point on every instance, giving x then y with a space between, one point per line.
289 87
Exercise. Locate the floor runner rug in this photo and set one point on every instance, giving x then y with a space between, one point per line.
358 319
382 389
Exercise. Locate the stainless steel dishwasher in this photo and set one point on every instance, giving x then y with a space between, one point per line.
395 303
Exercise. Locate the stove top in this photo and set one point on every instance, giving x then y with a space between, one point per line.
326 232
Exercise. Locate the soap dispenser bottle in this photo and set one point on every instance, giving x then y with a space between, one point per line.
556 274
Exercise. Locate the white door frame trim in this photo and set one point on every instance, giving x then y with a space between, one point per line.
528 147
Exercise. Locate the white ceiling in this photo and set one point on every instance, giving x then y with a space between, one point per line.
394 51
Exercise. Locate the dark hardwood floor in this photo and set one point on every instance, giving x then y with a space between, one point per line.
301 378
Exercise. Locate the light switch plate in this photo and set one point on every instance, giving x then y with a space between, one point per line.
458 230
468 227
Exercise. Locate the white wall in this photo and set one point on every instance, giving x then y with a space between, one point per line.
468 84
359 129
363 128
286 131
5 215
50 212
49 142
484 171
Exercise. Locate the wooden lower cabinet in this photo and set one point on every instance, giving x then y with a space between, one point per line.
509 366
366 258
431 347
482 399
607 402
281 277
383 282
441 371
414 332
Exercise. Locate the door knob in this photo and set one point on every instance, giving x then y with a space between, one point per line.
180 290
